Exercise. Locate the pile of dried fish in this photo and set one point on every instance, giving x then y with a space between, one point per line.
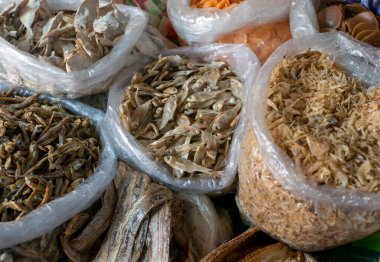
71 41
184 113
44 152
327 122
354 19
77 240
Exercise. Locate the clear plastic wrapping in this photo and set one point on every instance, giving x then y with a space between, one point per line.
242 62
206 25
303 18
25 69
202 225
44 219
276 196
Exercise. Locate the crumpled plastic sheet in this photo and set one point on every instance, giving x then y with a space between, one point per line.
202 225
44 219
303 18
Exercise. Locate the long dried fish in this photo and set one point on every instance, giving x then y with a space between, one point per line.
141 222
44 153
193 111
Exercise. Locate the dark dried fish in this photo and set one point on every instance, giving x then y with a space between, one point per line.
44 153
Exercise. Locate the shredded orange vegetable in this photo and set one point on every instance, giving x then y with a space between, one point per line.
214 3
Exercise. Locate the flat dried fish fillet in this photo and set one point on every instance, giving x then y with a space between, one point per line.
142 222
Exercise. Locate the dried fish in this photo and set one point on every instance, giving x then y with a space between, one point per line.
69 40
327 122
88 227
195 106
141 222
45 153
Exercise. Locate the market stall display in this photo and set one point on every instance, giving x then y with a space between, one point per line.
301 128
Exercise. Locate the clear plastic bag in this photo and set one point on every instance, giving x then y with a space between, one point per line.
244 64
303 18
206 25
44 219
25 69
273 194
202 226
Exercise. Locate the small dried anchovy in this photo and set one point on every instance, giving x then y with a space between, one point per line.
71 41
184 113
44 153
327 122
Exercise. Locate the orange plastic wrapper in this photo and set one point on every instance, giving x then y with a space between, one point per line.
214 3
263 40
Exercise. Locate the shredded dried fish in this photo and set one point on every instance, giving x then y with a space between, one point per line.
327 122
71 41
44 153
184 112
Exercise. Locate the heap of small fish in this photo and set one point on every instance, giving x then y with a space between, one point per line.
71 41
326 121
44 153
184 113
354 19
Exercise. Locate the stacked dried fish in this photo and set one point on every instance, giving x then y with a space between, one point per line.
140 230
354 19
327 122
184 113
44 151
77 240
69 40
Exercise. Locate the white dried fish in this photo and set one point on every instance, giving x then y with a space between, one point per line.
61 37
195 108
